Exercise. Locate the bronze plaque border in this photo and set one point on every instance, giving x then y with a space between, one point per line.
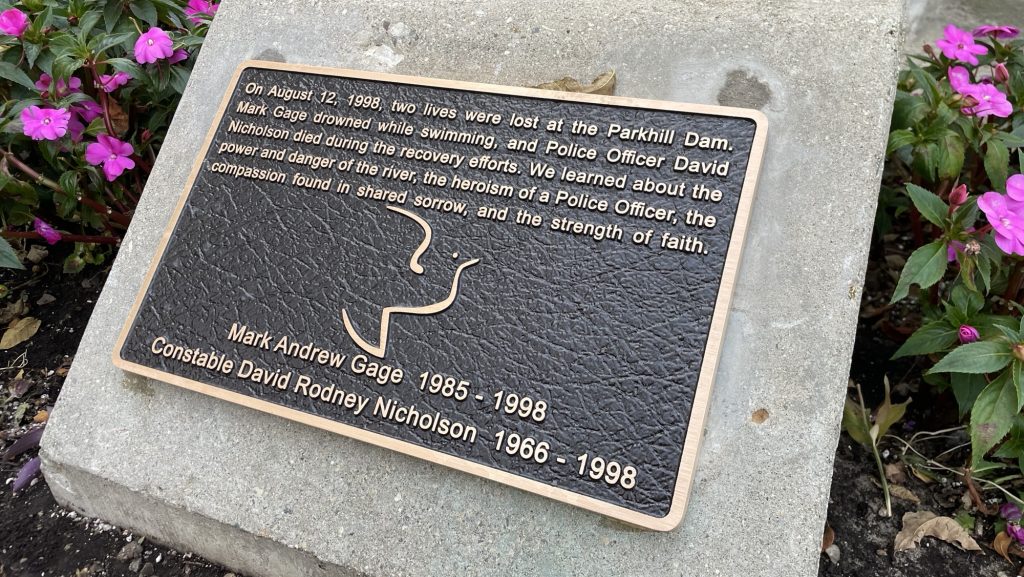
694 432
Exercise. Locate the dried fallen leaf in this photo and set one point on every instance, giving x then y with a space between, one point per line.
895 473
1001 544
603 84
922 524
901 492
36 254
13 310
118 117
20 331
41 416
828 538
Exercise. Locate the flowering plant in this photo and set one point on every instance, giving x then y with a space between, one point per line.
87 91
956 149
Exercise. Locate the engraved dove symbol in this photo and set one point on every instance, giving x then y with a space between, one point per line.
380 349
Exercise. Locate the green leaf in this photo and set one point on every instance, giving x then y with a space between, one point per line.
1012 449
64 67
11 72
966 389
900 138
887 415
929 205
977 358
125 65
968 301
930 338
179 79
951 157
32 52
997 164
854 422
87 22
9 258
992 416
112 13
908 110
925 160
145 11
1017 372
1014 140
103 42
928 85
924 268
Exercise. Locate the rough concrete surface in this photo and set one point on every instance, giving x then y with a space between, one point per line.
270 497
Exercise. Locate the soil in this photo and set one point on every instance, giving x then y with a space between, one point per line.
864 536
38 537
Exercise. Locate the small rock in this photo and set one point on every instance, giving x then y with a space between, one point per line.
36 254
130 551
229 575
147 570
46 299
833 553
881 552
135 565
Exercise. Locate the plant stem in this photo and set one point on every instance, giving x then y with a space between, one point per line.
884 481
1013 285
878 456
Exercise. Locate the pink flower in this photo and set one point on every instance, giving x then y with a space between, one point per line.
959 78
200 8
990 101
1013 529
111 82
958 196
112 154
968 334
154 44
957 44
179 55
1007 224
75 129
996 31
1015 190
45 123
88 110
13 22
1010 512
1000 73
46 231
63 89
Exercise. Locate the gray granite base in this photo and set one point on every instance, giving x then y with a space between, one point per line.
267 496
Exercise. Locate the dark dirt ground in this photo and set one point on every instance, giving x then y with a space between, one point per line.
38 537
864 537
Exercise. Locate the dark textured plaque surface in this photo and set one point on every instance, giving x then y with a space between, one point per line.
612 335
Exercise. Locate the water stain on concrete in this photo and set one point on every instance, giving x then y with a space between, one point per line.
744 90
138 384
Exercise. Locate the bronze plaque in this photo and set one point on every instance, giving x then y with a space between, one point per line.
530 286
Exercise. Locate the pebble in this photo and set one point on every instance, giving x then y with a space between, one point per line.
135 565
833 553
46 299
147 570
130 551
